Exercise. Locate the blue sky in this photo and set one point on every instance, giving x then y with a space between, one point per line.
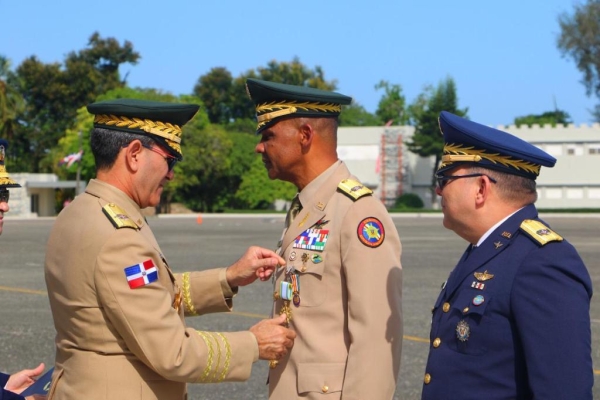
502 55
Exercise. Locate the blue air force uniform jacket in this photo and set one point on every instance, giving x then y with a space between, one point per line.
513 320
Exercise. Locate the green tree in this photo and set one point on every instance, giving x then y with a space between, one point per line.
356 115
53 93
427 140
549 117
215 90
226 99
11 104
392 106
205 149
258 191
579 39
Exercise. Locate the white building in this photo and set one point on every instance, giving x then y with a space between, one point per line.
37 195
379 158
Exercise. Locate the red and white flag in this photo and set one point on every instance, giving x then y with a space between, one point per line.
71 158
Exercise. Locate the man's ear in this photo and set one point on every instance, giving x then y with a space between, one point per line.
307 134
483 190
132 154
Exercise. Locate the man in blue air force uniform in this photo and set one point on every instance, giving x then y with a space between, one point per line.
512 321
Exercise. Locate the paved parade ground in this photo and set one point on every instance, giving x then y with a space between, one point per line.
429 253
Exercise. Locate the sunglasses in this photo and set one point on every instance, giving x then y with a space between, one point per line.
4 195
171 161
443 180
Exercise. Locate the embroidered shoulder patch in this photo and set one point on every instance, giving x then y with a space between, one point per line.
118 217
354 189
370 232
539 232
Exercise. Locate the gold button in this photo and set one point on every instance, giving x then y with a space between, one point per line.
437 342
465 310
446 307
427 379
303 269
325 389
275 295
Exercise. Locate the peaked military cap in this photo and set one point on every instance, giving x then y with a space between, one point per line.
159 120
469 142
277 100
5 180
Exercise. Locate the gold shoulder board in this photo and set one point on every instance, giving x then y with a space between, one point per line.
540 232
118 216
354 189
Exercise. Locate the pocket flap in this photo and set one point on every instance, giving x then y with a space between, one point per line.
322 378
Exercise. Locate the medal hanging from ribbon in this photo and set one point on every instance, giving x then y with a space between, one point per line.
295 289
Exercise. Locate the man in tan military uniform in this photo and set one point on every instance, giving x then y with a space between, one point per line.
342 286
117 307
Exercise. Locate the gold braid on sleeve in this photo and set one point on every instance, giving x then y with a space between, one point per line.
209 361
227 356
187 295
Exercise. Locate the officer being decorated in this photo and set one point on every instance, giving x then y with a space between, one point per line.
118 308
512 321
341 288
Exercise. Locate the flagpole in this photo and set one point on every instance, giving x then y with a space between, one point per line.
78 166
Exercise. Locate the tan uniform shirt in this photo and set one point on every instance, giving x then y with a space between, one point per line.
117 342
349 319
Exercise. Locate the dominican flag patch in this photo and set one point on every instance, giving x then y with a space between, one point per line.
141 274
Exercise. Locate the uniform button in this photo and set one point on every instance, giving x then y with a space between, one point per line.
446 307
325 389
427 379
465 310
303 269
437 342
276 295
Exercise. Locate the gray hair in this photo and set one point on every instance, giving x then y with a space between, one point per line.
107 143
513 188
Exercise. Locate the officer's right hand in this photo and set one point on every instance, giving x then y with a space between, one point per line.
274 340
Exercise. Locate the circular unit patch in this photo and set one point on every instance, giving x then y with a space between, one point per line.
370 232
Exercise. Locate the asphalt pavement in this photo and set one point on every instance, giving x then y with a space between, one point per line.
429 253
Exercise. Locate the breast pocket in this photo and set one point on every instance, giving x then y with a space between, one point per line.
470 323
320 378
311 274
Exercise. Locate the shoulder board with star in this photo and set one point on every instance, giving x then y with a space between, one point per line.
354 189
539 232
118 217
